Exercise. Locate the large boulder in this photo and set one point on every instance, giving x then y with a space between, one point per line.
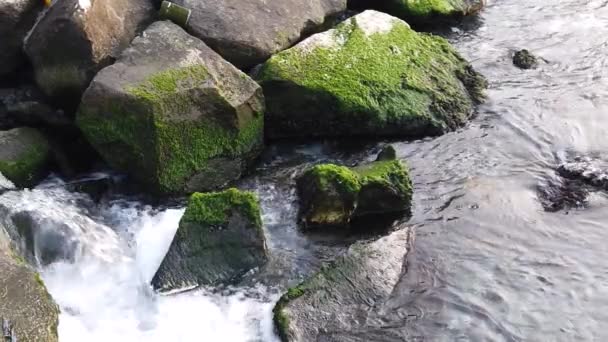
332 195
16 18
24 155
220 238
26 106
424 12
247 32
173 114
336 303
24 301
370 76
75 39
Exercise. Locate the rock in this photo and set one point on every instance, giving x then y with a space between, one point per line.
589 170
557 194
173 114
26 106
219 239
332 195
16 18
247 32
523 59
5 184
370 76
342 296
425 12
387 153
24 155
77 38
24 301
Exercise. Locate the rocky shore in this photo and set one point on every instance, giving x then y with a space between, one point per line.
183 96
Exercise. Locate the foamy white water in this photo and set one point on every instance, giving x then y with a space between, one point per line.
104 294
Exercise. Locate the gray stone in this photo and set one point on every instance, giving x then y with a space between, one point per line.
341 297
173 114
24 155
247 32
76 38
16 18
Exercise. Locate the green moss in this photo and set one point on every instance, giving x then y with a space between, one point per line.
425 8
215 208
330 175
401 82
159 88
280 318
390 172
26 166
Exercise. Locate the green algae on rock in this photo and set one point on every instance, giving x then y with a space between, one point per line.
370 76
334 299
332 195
24 155
425 13
220 238
24 299
179 120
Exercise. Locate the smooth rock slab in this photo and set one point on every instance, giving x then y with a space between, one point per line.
338 299
220 238
370 76
77 38
247 32
173 114
24 155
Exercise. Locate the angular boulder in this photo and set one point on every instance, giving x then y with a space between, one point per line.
76 38
24 155
173 114
247 32
16 18
370 76
332 195
336 303
25 303
423 12
220 238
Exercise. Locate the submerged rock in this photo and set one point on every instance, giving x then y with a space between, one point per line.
247 32
342 296
591 171
16 18
75 39
24 155
179 119
557 194
219 239
24 301
424 12
332 195
370 76
523 59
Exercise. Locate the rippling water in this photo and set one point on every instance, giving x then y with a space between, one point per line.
488 263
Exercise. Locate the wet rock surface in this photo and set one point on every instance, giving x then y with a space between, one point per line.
26 106
347 296
219 239
24 155
524 59
16 18
247 32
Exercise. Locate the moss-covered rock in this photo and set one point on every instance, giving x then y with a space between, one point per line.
24 155
180 119
332 195
24 300
220 237
423 12
524 59
370 76
334 303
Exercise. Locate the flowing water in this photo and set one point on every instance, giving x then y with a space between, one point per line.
489 264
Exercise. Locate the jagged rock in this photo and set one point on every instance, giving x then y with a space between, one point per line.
557 194
370 76
423 12
26 106
16 18
76 38
179 119
342 296
332 195
24 300
220 238
24 155
247 32
523 59
591 171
